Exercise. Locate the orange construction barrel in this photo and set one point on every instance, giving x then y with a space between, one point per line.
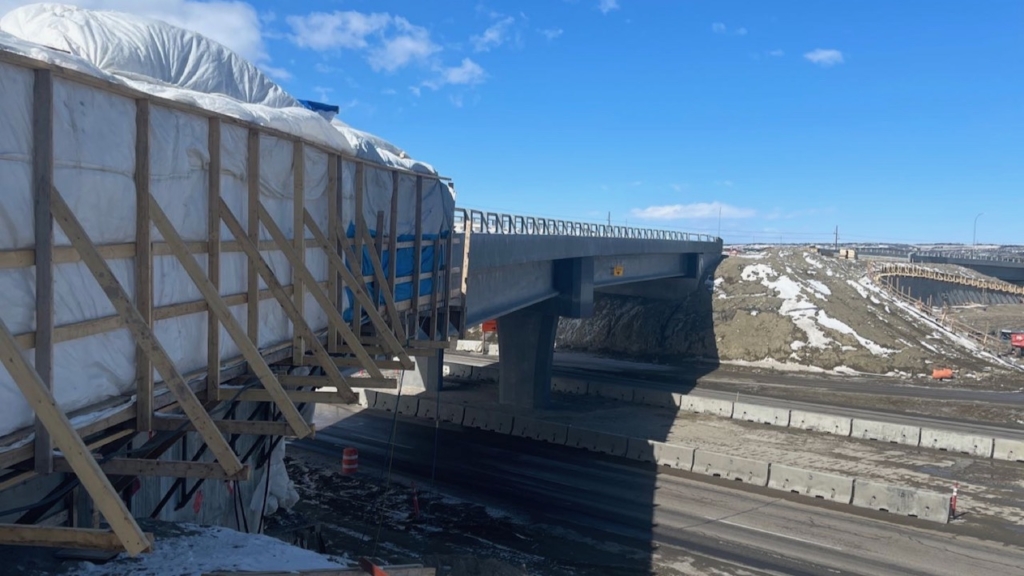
349 461
942 373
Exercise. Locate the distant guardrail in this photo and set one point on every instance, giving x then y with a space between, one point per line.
481 222
968 255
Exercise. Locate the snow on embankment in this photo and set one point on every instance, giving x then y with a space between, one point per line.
782 308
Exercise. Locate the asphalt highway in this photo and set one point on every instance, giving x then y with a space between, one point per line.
738 528
681 380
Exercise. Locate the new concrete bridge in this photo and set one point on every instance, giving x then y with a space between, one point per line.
527 272
1006 268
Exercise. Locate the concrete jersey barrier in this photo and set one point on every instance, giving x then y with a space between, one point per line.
597 441
552 432
1012 450
827 423
956 442
760 414
731 467
901 500
886 432
817 484
701 405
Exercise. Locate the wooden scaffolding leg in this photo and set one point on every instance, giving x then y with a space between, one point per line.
260 265
143 333
42 185
71 445
333 316
143 264
220 310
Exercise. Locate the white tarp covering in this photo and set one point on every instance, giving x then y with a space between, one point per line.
94 135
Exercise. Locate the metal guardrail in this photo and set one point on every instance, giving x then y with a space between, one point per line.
968 255
480 222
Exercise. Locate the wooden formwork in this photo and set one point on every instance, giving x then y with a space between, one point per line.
380 334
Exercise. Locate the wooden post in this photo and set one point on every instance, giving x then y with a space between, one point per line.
213 261
143 265
360 223
417 259
435 287
393 245
219 311
143 333
252 174
42 185
298 241
333 201
379 285
71 444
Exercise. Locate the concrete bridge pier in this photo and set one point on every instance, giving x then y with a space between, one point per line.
527 341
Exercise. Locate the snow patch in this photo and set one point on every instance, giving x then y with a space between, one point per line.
841 327
860 289
820 287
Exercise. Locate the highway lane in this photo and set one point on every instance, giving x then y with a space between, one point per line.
664 378
638 504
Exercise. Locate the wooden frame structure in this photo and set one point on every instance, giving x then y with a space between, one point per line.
380 334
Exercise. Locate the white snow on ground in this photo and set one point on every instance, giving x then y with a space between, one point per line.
860 289
813 262
211 548
820 287
839 326
794 303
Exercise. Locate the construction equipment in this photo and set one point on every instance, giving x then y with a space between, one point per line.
1017 343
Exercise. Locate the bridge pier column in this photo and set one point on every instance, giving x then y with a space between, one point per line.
427 374
527 341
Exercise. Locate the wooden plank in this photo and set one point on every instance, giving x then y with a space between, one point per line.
346 362
319 352
42 186
320 381
333 316
298 239
393 252
380 285
143 262
334 287
62 537
220 311
213 259
252 174
250 427
417 258
71 445
358 294
143 334
357 263
26 258
170 468
435 289
299 396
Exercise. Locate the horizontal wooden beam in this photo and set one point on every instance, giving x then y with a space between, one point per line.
321 381
297 396
26 257
254 428
357 363
171 468
58 537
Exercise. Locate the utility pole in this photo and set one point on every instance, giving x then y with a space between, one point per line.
974 241
837 237
719 221
609 218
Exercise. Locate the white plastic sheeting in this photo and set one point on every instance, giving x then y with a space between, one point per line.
94 135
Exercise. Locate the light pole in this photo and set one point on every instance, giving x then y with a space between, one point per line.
974 241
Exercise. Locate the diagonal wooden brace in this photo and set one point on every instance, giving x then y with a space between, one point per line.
333 316
217 307
282 297
145 339
71 445
358 290
382 281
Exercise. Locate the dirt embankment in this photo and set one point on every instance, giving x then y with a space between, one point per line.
787 309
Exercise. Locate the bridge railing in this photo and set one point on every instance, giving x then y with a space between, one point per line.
968 255
480 222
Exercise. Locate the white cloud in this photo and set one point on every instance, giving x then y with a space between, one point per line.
468 72
696 211
322 93
718 28
741 31
776 53
551 33
824 57
412 43
494 36
234 24
606 6
456 100
336 30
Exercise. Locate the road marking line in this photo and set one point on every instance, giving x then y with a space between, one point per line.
805 541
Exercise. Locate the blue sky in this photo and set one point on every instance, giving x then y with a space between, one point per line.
896 121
